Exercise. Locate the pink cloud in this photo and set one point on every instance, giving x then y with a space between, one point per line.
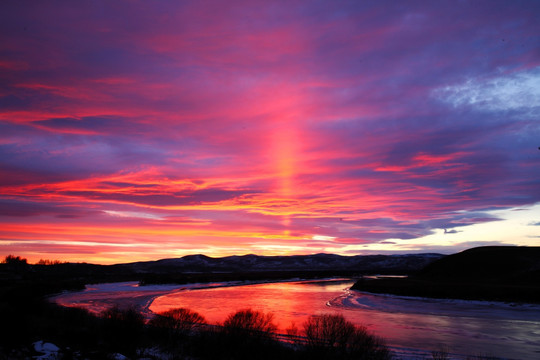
231 127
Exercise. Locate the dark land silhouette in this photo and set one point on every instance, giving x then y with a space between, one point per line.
489 273
501 273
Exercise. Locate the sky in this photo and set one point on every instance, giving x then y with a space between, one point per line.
141 130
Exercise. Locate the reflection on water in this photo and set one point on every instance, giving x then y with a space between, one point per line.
476 328
99 297
465 327
289 302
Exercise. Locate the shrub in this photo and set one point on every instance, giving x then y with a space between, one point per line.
15 264
128 317
48 262
330 335
14 260
248 334
327 331
363 345
180 321
251 323
123 329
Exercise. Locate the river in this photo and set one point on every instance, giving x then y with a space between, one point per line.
411 326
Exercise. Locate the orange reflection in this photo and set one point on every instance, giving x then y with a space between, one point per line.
288 302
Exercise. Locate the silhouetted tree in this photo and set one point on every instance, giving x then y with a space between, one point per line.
12 259
15 263
48 262
328 331
251 323
363 345
178 321
249 334
123 329
331 335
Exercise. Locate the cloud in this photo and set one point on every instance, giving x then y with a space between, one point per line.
452 231
162 199
518 90
133 214
253 126
15 208
90 125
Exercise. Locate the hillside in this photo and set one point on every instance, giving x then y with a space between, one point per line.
317 262
41 279
501 264
504 273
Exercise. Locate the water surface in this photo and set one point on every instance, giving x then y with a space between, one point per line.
464 327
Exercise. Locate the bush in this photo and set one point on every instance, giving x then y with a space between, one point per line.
330 335
123 330
363 345
15 264
250 323
177 322
14 260
328 331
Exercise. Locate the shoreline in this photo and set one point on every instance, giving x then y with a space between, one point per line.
451 290
141 298
96 298
358 300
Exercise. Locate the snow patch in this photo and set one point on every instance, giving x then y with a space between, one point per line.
117 356
49 351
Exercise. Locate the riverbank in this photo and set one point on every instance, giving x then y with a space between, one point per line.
491 273
412 327
439 289
121 332
455 308
96 298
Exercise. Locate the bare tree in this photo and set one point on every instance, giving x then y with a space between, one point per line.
12 259
331 334
180 320
250 322
327 330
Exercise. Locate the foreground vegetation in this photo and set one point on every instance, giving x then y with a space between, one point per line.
177 334
27 317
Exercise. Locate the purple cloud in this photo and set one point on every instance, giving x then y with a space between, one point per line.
354 123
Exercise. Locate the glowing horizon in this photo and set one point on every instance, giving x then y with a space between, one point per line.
140 131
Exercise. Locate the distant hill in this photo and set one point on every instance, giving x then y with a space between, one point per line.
319 262
44 279
505 273
503 264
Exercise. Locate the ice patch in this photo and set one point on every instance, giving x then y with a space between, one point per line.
358 300
118 356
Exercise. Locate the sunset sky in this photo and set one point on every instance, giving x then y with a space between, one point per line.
140 130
